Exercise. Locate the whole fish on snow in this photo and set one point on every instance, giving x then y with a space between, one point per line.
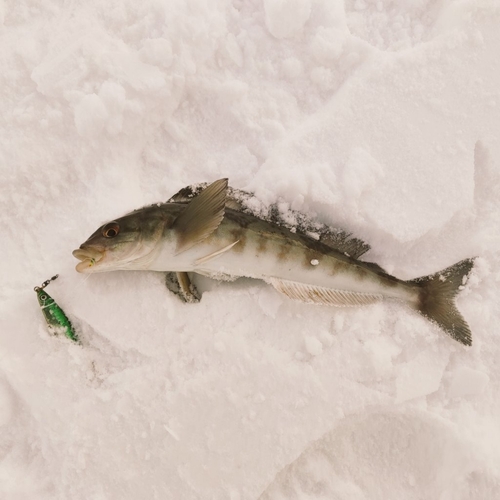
210 232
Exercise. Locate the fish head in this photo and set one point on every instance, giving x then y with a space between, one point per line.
125 243
44 299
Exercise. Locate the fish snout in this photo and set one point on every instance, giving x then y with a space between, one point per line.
89 256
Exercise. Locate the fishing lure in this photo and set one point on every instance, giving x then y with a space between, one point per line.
57 321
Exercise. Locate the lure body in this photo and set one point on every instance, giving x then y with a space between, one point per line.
57 321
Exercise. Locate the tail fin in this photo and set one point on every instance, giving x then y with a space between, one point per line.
437 302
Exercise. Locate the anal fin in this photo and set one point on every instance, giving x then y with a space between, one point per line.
321 295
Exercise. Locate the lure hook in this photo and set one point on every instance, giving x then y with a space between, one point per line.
45 283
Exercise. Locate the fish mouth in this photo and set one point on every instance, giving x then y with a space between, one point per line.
89 258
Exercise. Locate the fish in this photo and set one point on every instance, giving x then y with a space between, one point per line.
279 213
212 234
57 321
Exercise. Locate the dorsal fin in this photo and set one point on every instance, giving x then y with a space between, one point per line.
186 194
202 216
233 196
344 242
245 202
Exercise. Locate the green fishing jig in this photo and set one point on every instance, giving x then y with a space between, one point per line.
57 322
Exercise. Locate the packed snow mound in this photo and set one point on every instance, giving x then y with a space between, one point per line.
388 454
379 118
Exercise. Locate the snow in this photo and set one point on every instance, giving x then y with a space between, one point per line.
379 117
467 382
285 19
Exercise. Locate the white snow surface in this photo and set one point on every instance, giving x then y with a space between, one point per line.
381 117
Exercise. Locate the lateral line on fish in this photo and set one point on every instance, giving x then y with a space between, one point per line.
211 256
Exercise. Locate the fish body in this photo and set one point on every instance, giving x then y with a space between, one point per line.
57 321
208 237
257 249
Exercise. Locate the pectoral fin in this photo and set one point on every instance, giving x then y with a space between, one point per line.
202 260
320 295
201 217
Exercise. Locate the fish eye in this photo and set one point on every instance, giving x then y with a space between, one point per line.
111 229
43 297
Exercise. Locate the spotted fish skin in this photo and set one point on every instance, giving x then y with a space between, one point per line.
205 235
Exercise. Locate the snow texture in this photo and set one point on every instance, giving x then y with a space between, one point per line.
380 117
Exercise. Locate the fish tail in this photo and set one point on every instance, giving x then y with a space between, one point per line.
437 299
